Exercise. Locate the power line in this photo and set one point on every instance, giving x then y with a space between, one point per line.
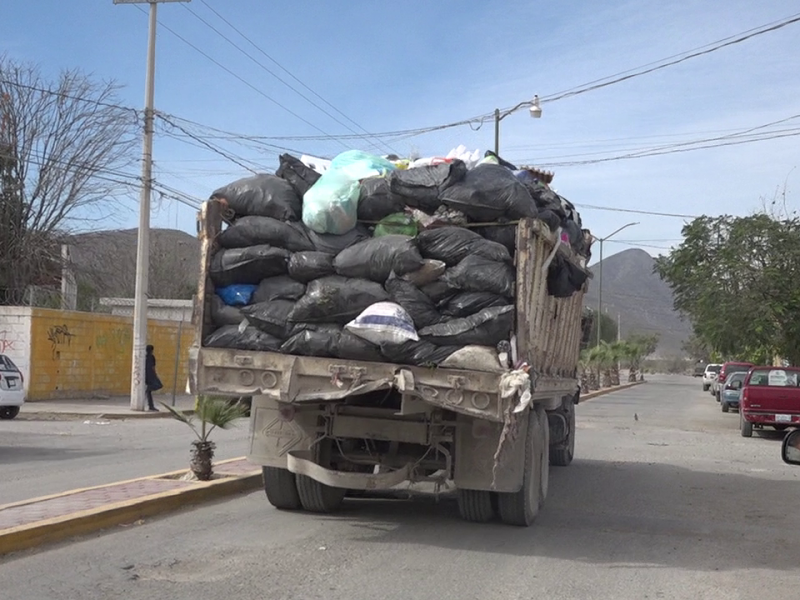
70 96
675 149
364 136
634 211
718 45
329 137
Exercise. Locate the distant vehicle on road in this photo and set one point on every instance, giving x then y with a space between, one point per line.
710 373
699 369
732 391
770 397
12 388
728 368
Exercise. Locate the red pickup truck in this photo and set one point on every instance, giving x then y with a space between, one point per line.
770 396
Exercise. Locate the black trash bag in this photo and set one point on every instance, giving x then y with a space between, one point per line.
222 314
546 199
439 291
333 244
488 193
376 200
257 231
299 176
242 338
421 187
478 274
281 287
485 328
505 235
271 317
352 347
320 340
261 195
564 278
451 245
306 266
575 233
247 265
502 162
419 307
377 258
468 303
551 219
336 299
420 353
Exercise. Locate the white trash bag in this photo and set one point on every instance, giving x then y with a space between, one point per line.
384 323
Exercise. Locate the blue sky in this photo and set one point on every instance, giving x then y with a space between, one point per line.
394 66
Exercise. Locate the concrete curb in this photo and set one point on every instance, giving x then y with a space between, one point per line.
75 416
603 392
79 523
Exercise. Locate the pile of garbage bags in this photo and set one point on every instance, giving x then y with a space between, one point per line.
367 258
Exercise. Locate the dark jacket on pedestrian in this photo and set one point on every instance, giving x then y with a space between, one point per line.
150 376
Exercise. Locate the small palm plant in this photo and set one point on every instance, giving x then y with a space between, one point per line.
211 413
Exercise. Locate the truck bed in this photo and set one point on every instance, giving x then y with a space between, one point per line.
548 335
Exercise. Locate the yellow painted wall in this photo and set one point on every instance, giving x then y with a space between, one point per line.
80 355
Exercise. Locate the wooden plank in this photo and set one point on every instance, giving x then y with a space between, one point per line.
209 224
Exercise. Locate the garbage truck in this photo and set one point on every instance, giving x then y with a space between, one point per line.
324 427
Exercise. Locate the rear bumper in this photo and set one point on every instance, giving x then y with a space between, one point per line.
15 398
768 418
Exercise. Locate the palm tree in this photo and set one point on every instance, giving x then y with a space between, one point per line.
596 359
212 413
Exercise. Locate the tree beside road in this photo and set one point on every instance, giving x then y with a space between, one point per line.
738 280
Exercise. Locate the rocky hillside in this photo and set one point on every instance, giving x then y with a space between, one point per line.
640 297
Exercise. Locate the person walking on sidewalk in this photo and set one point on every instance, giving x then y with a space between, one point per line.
151 380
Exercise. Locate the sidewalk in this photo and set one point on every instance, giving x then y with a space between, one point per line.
116 407
38 521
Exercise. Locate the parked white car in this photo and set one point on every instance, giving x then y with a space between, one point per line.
12 388
710 376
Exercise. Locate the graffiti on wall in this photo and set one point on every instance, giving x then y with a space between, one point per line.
59 336
119 336
6 345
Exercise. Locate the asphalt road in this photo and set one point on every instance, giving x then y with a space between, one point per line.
665 500
39 458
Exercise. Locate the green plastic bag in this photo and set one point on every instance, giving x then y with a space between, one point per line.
396 224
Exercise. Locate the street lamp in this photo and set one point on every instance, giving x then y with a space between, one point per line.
535 111
600 276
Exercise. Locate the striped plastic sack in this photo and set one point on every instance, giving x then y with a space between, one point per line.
384 323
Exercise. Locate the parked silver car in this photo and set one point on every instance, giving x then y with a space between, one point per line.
12 388
710 376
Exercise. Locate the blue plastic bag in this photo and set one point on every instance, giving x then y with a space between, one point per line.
360 165
331 205
237 294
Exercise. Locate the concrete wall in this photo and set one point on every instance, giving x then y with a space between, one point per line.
15 337
82 355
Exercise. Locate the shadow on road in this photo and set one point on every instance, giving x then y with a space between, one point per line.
651 515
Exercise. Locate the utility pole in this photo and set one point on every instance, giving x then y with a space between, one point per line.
143 238
600 279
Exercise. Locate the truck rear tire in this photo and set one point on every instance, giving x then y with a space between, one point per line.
318 497
521 508
475 505
745 426
563 455
281 488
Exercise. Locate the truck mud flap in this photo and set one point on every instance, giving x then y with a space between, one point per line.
300 462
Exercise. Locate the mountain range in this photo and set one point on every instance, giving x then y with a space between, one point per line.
636 295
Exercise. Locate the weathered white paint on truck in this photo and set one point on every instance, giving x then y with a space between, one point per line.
315 439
